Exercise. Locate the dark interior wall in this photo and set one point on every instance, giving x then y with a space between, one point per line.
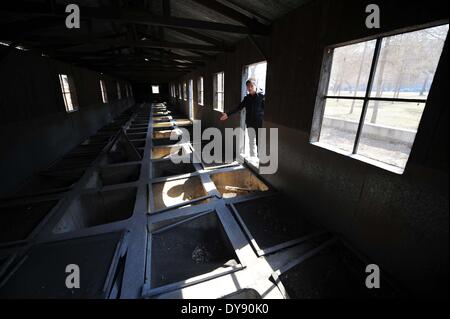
399 221
35 129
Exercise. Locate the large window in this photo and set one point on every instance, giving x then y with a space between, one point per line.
155 89
200 91
255 71
219 91
68 92
103 91
370 104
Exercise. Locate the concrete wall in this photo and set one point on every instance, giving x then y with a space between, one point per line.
35 129
400 221
375 131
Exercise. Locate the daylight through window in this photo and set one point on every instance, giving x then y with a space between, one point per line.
376 94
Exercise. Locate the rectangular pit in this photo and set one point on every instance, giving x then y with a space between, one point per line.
190 248
269 222
107 176
163 134
238 183
136 130
176 192
19 220
51 182
159 152
93 209
168 168
164 125
335 272
40 275
183 122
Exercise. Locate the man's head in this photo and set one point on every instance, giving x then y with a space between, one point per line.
251 86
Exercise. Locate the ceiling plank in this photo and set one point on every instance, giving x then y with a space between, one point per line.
252 23
123 15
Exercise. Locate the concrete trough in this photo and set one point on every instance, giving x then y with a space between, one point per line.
163 134
238 183
17 221
333 270
136 136
183 251
183 122
160 152
72 163
51 182
112 175
138 143
41 272
168 168
164 141
273 223
137 130
164 125
246 293
177 192
97 208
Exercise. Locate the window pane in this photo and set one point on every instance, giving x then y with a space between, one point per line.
340 123
350 69
68 100
389 130
407 63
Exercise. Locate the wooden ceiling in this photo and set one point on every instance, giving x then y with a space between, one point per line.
139 40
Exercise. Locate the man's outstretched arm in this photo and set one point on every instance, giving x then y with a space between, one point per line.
236 110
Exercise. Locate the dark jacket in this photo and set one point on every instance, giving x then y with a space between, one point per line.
254 110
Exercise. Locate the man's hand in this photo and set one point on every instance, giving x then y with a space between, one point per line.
224 117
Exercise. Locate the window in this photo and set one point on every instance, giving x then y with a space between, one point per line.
185 91
68 92
131 90
180 92
127 93
103 91
219 91
258 72
370 104
191 99
155 89
119 92
200 91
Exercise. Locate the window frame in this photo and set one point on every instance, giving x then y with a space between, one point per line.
71 92
103 91
200 91
216 92
185 89
322 96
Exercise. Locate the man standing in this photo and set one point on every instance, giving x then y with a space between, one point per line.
253 103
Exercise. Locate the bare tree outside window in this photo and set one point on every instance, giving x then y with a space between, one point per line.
376 94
